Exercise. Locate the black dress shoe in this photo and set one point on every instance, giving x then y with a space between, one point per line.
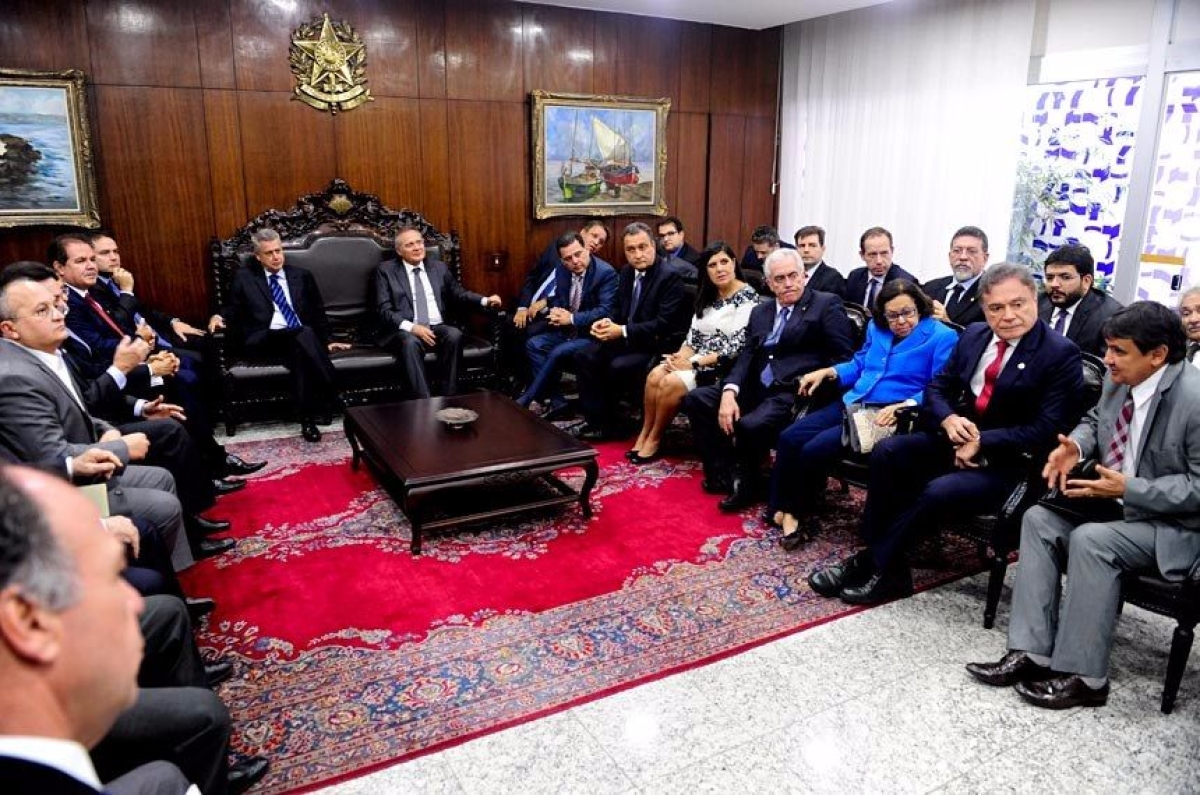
882 587
640 459
310 432
225 486
217 672
207 527
795 539
236 466
1013 668
740 497
631 454
324 419
199 607
593 433
1063 692
213 546
830 580
245 774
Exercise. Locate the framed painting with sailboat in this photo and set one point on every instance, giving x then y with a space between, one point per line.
598 155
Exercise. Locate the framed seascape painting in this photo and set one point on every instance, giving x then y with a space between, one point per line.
598 155
46 174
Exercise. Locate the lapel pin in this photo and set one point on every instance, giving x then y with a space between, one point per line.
1021 365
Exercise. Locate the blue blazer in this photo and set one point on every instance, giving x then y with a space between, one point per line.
1038 394
885 373
599 298
856 282
817 334
90 328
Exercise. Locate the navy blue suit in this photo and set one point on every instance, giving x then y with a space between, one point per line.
818 334
856 282
913 480
654 327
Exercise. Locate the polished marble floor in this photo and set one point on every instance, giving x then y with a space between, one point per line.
877 702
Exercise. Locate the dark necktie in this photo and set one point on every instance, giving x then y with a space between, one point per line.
419 301
1060 322
768 376
872 291
1114 456
576 293
953 299
989 378
289 315
107 318
1192 350
637 294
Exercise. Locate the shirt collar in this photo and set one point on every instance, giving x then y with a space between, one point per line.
1142 393
967 284
1012 344
77 291
67 756
409 268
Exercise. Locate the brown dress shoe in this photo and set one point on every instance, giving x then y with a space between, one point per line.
1063 692
1009 670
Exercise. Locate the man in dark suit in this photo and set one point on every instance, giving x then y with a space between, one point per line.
585 291
673 239
1144 514
1008 387
956 297
275 310
810 242
1189 313
70 642
1070 304
863 284
414 295
650 319
800 331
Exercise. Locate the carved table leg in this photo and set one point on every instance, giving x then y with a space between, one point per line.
591 473
355 450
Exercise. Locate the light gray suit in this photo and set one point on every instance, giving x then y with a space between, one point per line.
40 421
1160 531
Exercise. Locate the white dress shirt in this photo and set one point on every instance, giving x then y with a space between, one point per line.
277 319
1070 316
1142 393
989 356
435 314
58 366
66 756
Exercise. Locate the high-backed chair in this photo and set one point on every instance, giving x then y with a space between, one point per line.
340 235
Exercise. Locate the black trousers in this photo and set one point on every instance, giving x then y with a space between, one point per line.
764 415
410 352
604 370
307 359
172 448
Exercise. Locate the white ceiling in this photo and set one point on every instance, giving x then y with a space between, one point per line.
752 14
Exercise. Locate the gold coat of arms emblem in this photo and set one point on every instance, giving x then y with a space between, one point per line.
329 61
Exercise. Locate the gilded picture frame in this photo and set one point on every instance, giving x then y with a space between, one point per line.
46 171
598 155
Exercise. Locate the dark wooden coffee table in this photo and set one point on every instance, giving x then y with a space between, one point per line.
501 464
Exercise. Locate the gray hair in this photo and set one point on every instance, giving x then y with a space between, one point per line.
1002 272
780 254
1188 293
636 228
6 309
263 236
31 558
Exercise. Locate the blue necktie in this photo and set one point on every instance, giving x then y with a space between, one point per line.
767 376
637 295
285 309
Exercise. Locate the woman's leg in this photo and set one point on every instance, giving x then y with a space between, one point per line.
650 397
671 391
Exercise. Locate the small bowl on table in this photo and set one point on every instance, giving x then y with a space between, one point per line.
455 418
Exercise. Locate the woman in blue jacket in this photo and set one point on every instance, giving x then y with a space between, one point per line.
905 348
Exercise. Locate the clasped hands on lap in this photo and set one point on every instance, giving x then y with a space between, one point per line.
1063 460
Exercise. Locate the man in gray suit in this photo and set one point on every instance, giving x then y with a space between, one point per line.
413 295
1140 511
42 415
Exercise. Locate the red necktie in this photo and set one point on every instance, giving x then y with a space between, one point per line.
1114 457
989 378
107 318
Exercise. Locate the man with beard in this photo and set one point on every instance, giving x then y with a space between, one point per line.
956 297
1071 305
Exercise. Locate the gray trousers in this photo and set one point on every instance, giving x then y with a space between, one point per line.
1093 556
153 778
149 493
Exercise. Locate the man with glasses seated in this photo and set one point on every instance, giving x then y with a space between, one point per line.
956 297
737 422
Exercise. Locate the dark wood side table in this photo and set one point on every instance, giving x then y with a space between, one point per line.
501 464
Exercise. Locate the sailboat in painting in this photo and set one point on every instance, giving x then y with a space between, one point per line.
616 167
579 179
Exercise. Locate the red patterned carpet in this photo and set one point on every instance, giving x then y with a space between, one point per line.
353 654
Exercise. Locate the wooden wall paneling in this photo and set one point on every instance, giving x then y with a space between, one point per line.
696 62
483 51
648 57
745 79
758 202
434 144
378 150
44 34
605 49
431 49
389 30
262 34
288 149
725 177
156 192
25 243
558 49
143 44
489 184
225 165
690 167
214 40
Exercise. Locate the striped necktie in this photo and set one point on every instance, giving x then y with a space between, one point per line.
285 309
1114 456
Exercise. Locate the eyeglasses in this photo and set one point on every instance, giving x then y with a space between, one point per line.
786 278
903 314
43 312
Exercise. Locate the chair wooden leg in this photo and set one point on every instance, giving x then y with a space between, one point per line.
1181 647
999 565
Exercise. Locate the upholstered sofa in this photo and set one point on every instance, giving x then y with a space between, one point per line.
339 235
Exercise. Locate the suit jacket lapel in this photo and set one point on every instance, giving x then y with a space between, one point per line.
295 289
